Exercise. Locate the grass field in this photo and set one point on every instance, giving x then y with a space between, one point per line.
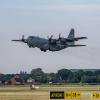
24 92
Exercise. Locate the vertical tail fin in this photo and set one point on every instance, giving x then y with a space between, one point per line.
71 34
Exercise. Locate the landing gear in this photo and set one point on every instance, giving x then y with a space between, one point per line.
43 49
30 46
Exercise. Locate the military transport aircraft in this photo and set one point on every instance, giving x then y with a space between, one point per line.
50 43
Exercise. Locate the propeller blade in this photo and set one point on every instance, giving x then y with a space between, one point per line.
48 37
51 37
59 36
22 37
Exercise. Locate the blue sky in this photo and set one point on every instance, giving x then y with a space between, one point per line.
43 18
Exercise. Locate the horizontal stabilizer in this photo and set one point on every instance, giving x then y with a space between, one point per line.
76 45
75 39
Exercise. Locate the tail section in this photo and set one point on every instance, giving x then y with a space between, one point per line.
71 39
71 34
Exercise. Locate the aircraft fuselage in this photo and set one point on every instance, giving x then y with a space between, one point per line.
43 44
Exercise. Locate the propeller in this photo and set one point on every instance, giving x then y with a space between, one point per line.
23 38
61 39
50 38
59 36
51 41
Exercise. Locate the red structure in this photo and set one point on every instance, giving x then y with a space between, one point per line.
16 80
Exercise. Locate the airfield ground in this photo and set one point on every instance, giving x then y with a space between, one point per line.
43 93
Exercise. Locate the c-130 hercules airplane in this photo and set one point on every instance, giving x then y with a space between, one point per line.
50 43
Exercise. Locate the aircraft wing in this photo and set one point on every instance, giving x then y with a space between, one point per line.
21 40
17 40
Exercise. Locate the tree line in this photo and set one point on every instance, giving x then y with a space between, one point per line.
61 76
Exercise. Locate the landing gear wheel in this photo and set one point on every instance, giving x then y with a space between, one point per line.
43 50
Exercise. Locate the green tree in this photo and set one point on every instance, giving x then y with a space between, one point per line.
37 72
89 79
79 74
24 75
89 73
64 74
97 72
38 75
